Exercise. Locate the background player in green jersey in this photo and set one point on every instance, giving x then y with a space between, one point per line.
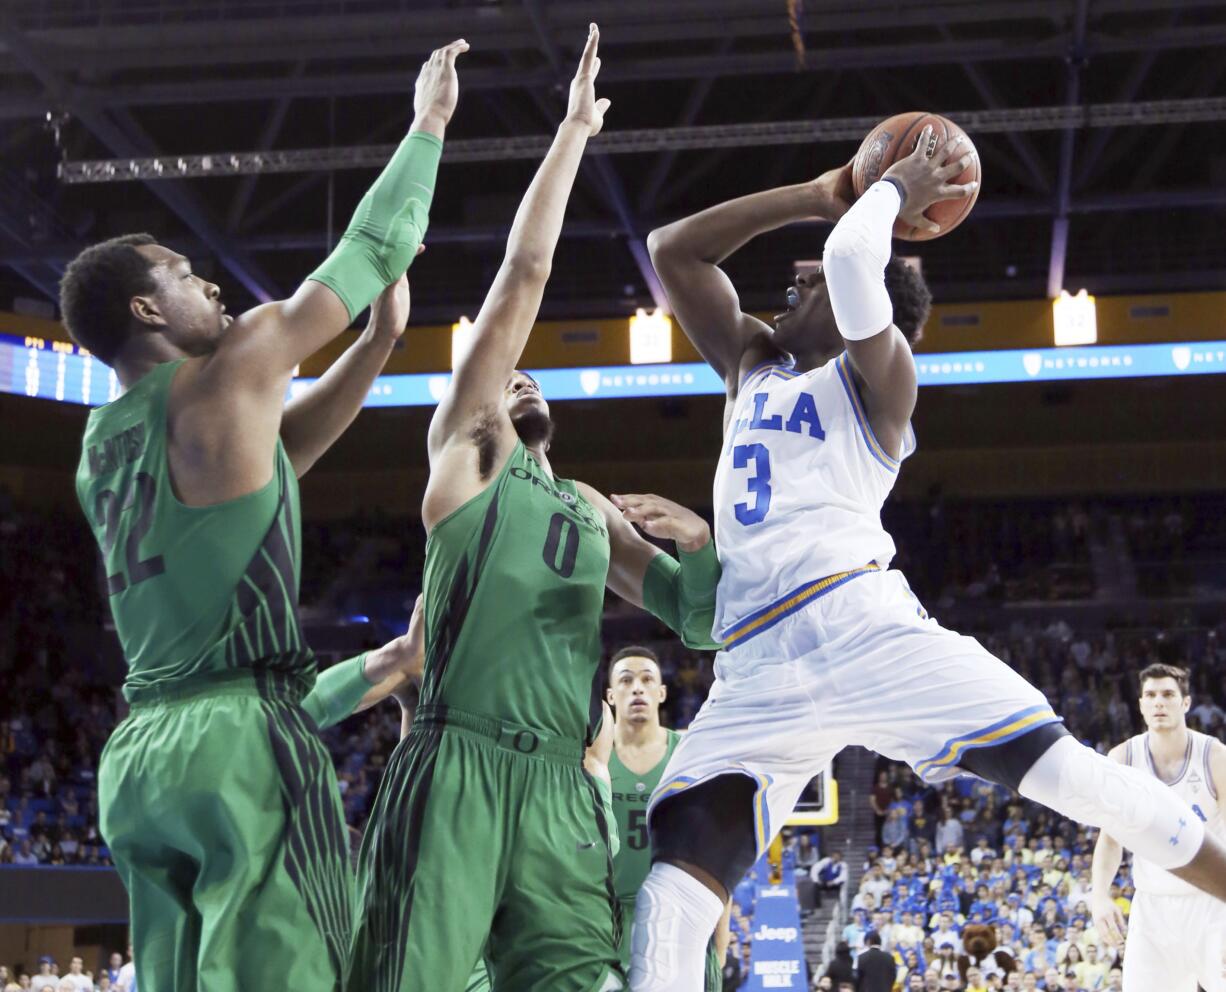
487 835
218 800
641 749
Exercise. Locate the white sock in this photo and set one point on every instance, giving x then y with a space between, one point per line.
1131 805
674 917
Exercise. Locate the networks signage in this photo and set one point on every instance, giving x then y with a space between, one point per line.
57 370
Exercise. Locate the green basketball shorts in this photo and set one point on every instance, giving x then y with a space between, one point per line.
221 809
486 839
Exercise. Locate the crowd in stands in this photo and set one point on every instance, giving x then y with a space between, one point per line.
114 973
968 857
967 852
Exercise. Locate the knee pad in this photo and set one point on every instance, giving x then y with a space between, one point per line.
709 826
674 916
1131 805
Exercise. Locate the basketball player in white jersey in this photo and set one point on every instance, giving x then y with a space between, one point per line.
1176 935
823 645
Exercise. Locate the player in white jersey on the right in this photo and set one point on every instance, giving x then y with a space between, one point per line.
823 646
1176 935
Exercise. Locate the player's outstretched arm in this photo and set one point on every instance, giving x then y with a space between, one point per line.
378 246
681 593
358 683
502 327
226 408
854 264
687 256
317 416
1108 855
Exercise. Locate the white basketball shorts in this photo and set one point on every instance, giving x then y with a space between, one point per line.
859 664
1175 942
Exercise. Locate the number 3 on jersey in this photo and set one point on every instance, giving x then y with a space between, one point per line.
744 455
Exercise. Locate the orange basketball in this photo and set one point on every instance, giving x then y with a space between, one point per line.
895 138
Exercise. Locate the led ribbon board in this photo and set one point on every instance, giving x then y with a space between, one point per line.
56 370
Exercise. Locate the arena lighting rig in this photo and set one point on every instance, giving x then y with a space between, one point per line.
637 141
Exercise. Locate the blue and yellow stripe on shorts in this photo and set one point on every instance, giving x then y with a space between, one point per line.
761 811
1004 730
787 604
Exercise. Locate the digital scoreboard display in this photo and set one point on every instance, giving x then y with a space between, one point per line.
54 370
57 370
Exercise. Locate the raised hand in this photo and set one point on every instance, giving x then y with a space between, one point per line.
837 190
583 107
663 518
925 177
389 313
438 88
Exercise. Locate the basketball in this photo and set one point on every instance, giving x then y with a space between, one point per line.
895 138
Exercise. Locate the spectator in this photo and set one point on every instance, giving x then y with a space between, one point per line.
806 852
126 982
875 884
896 833
76 978
114 966
875 969
879 799
841 968
830 875
949 832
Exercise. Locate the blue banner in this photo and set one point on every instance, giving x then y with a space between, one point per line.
56 370
777 953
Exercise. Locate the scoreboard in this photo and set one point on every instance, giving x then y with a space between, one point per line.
54 370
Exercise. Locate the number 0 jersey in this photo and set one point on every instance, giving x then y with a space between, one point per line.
514 585
798 494
193 589
631 794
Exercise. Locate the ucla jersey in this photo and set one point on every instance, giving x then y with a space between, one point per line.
1194 784
798 494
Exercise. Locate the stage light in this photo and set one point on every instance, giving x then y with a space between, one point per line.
651 338
1074 318
461 340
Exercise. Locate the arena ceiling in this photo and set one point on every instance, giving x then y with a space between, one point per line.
1096 126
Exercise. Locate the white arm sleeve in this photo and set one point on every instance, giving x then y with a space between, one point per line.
854 263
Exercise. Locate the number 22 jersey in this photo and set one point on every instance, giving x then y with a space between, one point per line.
798 492
194 590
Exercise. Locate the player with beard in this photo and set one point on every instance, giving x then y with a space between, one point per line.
487 836
824 645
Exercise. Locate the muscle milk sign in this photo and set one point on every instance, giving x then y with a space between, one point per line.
777 956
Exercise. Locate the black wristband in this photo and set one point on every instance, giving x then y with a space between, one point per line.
902 190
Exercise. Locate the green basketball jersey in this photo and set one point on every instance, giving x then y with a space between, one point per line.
193 589
514 584
631 794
